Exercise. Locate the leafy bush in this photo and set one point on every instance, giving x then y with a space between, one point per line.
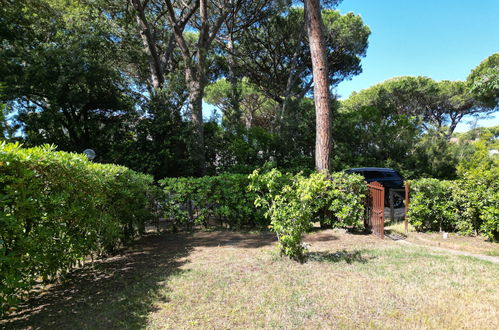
224 198
479 203
468 206
58 208
293 202
490 218
431 205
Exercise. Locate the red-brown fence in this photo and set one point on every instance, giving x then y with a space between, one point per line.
375 217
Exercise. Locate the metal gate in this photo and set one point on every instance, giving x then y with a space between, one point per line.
375 210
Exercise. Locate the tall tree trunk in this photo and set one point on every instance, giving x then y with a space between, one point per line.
196 86
321 84
293 75
196 69
235 94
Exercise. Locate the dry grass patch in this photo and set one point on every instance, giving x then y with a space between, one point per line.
235 280
472 244
477 244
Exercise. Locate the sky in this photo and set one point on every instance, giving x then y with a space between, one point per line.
440 39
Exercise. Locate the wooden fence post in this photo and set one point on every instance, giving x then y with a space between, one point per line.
406 206
392 207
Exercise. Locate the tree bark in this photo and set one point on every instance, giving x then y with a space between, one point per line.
321 84
196 70
149 43
196 90
234 115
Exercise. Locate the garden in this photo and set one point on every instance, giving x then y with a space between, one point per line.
72 231
124 204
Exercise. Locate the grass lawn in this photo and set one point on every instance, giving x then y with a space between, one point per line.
472 244
237 280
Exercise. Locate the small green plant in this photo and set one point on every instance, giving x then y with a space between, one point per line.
293 202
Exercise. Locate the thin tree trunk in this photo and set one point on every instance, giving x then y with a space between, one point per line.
321 85
196 91
454 121
293 76
196 70
149 44
235 96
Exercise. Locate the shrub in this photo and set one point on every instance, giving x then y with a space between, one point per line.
479 201
490 218
58 208
224 198
293 202
431 205
468 206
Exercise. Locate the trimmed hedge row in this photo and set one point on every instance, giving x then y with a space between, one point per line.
224 198
58 208
466 206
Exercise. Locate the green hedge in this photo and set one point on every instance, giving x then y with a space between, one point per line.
58 208
466 206
224 199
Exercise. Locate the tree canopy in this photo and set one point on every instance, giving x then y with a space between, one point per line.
130 79
483 81
437 104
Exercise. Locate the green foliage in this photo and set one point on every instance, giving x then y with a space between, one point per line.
239 151
158 143
469 205
405 122
274 55
488 135
224 198
61 76
256 109
58 208
436 105
293 202
483 81
479 166
4 126
433 156
490 216
372 136
431 206
480 202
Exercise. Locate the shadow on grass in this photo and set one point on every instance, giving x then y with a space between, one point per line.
120 291
230 238
339 256
319 235
395 235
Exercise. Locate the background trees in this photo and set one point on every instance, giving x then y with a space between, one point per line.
483 81
407 122
275 55
61 78
127 79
